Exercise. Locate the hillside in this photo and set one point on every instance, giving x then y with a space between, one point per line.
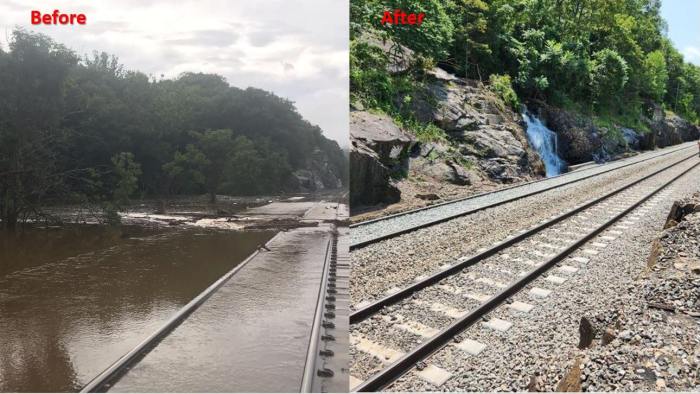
602 75
86 130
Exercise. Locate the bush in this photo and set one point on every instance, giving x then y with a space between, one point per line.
502 86
609 75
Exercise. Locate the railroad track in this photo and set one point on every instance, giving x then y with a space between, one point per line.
326 358
435 310
329 324
391 226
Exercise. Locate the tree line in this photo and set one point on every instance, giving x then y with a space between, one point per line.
605 57
86 130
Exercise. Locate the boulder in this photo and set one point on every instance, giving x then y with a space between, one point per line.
500 169
382 135
632 138
492 142
443 171
370 180
379 150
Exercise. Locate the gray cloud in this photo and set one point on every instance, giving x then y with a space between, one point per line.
210 38
292 48
261 38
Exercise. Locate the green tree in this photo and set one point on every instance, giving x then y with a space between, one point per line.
433 38
127 172
33 78
656 75
609 76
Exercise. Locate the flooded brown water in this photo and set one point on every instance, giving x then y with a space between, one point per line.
252 335
73 300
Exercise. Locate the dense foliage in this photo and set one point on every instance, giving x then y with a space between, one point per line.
86 130
602 57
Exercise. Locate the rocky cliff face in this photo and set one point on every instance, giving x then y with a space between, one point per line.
480 128
379 151
318 174
484 144
669 130
580 140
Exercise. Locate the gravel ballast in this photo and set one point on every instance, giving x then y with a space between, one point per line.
540 347
389 225
397 262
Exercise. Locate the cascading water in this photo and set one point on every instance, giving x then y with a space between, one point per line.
544 141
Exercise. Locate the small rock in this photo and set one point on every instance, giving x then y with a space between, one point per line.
694 267
608 336
626 335
586 332
571 382
536 384
660 385
428 196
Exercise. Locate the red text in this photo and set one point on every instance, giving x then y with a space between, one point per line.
57 18
401 18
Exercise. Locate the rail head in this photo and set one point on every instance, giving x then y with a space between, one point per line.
310 367
115 371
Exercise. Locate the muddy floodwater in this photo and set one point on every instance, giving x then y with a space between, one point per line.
74 299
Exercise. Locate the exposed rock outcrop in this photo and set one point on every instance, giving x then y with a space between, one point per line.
580 140
484 143
379 150
318 174
480 129
669 130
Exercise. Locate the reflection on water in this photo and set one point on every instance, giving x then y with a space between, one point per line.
73 300
252 335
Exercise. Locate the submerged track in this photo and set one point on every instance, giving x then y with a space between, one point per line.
325 367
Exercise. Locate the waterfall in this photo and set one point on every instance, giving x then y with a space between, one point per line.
544 141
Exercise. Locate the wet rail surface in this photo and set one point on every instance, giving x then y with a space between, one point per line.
327 361
253 330
73 299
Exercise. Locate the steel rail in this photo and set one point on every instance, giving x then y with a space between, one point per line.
425 349
374 307
414 210
310 367
430 223
114 372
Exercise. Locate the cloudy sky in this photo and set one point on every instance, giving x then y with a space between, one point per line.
296 49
